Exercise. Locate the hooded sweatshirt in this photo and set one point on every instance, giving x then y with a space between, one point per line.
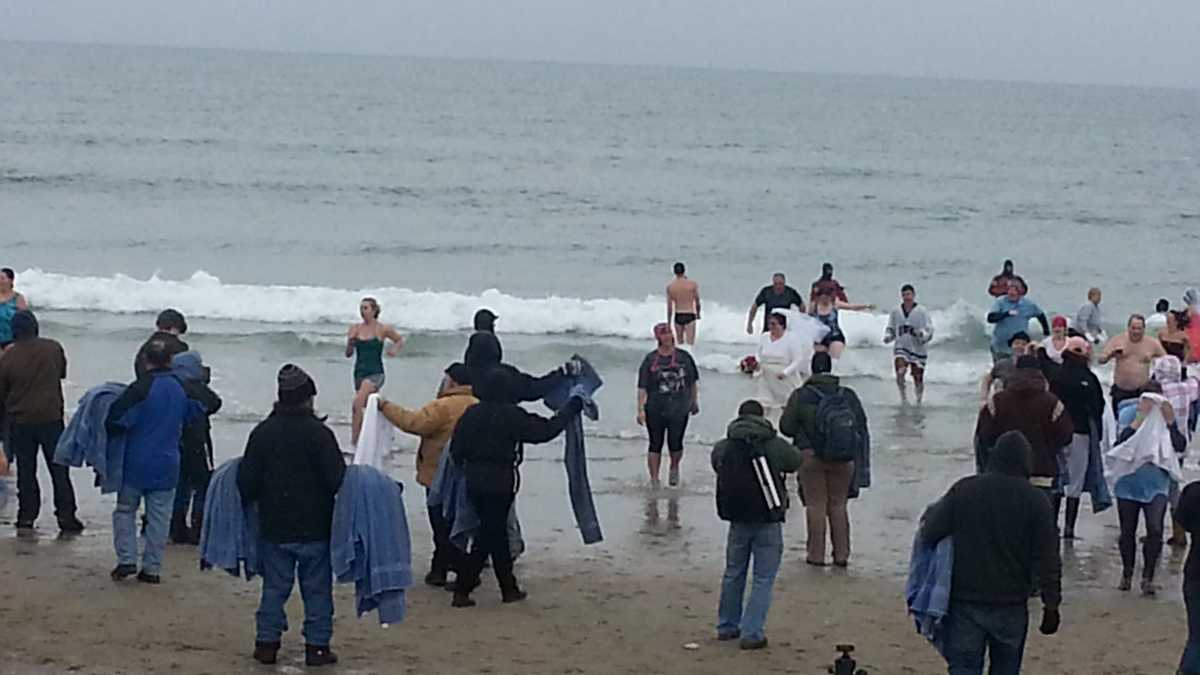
754 433
489 439
1027 407
1004 532
483 349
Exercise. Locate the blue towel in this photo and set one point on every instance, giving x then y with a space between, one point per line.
229 535
370 543
448 492
582 386
930 572
1094 483
86 438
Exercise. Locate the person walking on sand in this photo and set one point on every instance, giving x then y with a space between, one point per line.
365 342
750 464
151 413
1082 397
828 424
776 296
1010 315
1089 320
683 306
168 326
488 443
825 309
31 375
1133 351
292 469
434 423
910 331
668 392
11 302
1005 550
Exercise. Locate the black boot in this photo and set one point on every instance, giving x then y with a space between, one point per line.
194 531
511 592
1072 516
179 530
319 656
266 652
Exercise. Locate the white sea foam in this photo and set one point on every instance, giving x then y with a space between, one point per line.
205 296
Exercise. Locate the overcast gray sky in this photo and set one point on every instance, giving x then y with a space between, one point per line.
1153 42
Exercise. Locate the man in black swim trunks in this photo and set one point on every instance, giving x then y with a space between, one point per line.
776 296
683 306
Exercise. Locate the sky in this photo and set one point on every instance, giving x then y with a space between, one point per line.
1149 43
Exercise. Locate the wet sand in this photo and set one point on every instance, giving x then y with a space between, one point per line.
627 606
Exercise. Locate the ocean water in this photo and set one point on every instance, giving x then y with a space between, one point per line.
264 194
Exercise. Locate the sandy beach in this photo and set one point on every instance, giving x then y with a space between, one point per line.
600 611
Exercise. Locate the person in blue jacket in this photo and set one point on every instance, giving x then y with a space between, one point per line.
1011 315
151 413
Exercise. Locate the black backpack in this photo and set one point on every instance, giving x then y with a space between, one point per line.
740 497
838 438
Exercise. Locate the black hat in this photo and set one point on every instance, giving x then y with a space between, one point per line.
485 319
295 386
460 373
1019 335
171 319
24 325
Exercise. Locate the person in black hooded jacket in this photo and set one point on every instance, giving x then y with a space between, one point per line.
1004 539
1081 394
489 444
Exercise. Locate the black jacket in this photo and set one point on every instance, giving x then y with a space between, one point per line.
1188 513
483 351
292 468
1004 532
489 438
1081 394
196 445
174 346
799 419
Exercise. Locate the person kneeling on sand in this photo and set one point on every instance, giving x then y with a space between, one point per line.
752 496
1004 539
293 469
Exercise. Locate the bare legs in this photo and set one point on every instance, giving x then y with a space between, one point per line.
918 376
365 389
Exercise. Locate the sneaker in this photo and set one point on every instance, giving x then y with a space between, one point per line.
752 645
147 578
122 572
319 656
673 478
726 637
513 595
1126 583
266 653
70 525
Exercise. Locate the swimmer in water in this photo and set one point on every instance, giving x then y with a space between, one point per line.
826 309
683 306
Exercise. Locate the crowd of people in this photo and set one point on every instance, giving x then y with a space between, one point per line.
1045 435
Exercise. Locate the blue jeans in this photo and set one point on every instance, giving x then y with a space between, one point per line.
1190 664
158 520
972 629
763 542
279 564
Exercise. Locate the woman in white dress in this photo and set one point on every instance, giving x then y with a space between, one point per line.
783 361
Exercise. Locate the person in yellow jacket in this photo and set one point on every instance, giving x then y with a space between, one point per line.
434 423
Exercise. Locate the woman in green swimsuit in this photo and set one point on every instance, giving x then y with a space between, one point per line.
366 342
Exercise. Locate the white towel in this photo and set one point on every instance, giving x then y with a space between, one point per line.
1150 444
375 439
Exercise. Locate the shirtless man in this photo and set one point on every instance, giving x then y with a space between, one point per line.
1133 351
683 306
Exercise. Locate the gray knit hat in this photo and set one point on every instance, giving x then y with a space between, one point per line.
295 385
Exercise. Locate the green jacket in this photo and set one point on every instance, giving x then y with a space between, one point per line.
758 432
799 418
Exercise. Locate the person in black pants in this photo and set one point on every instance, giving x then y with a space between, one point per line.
1188 513
31 374
668 392
489 444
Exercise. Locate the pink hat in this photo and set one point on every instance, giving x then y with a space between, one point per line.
1078 346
